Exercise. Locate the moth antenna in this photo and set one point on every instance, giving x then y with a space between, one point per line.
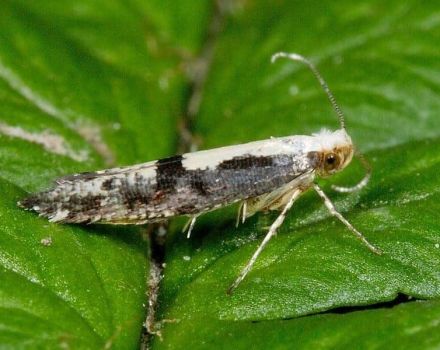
322 82
361 183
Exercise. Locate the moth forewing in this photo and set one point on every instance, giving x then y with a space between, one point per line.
187 184
263 175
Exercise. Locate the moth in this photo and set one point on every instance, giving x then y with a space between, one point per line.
262 176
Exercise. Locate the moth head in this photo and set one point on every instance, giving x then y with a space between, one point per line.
336 151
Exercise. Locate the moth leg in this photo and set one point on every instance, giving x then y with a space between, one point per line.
272 231
189 226
242 211
331 208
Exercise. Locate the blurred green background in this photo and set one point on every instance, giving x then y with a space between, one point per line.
90 84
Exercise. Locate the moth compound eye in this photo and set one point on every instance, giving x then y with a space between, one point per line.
331 162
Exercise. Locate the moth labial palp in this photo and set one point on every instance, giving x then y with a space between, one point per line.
262 175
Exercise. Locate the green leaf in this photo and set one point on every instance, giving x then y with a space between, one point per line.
410 326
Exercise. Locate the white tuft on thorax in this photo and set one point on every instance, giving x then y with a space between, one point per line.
331 139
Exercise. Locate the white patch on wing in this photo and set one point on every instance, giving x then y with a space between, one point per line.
95 186
60 215
271 147
147 173
147 170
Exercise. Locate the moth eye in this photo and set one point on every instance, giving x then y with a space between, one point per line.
331 162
